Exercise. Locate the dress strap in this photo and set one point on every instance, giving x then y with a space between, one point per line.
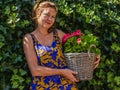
35 48
56 37
33 38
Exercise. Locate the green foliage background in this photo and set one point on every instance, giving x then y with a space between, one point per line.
100 17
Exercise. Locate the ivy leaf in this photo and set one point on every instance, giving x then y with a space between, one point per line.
115 47
22 72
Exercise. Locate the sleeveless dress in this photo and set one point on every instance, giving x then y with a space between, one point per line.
53 57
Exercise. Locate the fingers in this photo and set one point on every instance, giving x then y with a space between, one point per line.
98 57
97 61
74 72
96 65
74 78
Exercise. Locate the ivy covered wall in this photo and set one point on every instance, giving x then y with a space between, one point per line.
100 17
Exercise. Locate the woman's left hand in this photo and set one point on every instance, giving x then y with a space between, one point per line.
97 60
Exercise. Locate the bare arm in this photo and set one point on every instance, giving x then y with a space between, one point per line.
32 60
37 70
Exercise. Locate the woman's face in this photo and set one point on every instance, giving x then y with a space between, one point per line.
47 18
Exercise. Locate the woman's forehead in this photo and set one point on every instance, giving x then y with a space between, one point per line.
49 10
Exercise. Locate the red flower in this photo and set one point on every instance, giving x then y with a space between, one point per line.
68 35
65 37
76 33
79 40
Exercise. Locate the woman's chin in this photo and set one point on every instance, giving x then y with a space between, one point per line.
47 26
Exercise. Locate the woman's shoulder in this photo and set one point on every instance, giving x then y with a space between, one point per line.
28 37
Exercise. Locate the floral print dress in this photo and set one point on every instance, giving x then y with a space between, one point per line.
51 56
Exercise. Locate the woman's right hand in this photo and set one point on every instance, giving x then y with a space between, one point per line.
69 74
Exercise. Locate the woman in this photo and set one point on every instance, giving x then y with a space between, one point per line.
43 51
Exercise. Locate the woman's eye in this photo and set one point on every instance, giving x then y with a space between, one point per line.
53 16
46 14
49 15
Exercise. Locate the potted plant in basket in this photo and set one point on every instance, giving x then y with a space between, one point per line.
80 52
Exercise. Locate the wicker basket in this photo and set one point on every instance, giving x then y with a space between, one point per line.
83 63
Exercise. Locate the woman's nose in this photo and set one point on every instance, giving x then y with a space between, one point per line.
50 18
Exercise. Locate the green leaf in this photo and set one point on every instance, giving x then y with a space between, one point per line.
22 72
110 77
7 10
15 85
117 80
115 47
1 44
3 29
2 38
15 71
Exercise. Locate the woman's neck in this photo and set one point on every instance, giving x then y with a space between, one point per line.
42 31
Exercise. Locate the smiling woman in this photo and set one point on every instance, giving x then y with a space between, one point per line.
44 54
47 18
45 11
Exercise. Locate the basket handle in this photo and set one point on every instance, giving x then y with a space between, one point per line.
93 45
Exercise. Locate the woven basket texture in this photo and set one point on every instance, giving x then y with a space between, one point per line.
83 63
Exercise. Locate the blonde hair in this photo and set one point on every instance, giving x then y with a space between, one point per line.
39 7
